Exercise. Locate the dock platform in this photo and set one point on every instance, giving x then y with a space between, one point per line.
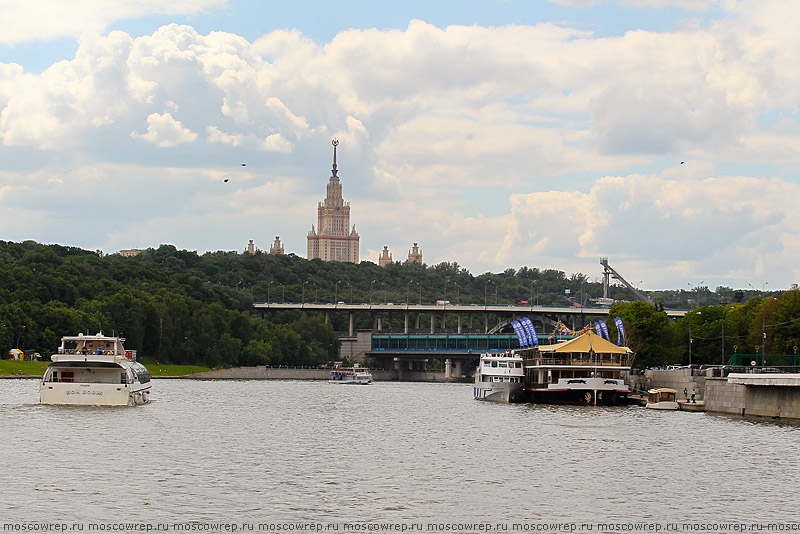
699 406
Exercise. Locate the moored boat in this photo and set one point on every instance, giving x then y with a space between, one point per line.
499 377
662 399
94 370
585 370
350 375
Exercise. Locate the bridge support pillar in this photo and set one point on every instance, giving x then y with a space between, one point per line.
459 323
350 330
448 368
405 326
444 322
433 323
486 319
327 317
416 325
457 370
380 322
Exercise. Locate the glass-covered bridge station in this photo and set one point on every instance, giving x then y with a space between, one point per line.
458 334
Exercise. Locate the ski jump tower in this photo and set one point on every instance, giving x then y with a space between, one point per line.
609 272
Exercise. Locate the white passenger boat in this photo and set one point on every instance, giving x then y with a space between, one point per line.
585 370
499 377
662 399
94 370
350 375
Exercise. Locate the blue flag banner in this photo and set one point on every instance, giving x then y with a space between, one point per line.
605 329
531 331
620 330
523 339
597 328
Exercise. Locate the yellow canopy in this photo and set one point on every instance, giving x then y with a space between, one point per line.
586 343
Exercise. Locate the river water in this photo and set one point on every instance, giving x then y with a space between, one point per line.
266 451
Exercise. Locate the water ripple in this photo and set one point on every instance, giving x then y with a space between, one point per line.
312 451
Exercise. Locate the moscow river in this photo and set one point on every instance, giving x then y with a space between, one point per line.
267 452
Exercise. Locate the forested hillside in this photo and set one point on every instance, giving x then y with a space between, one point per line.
177 306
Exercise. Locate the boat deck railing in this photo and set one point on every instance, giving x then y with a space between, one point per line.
569 360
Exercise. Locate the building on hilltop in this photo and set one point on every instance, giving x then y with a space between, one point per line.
276 247
385 258
333 240
251 247
415 254
128 253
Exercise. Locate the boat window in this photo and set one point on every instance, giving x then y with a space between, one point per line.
487 363
141 372
518 365
494 364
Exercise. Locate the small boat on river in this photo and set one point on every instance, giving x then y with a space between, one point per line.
94 370
350 375
662 399
499 378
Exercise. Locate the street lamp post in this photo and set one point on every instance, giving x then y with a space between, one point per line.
370 292
336 292
384 292
269 286
304 294
697 291
444 295
17 347
408 291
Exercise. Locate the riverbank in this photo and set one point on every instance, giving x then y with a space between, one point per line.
16 369
24 369
299 373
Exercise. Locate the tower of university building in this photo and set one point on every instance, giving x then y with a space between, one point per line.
333 240
415 255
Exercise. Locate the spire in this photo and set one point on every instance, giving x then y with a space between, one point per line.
335 143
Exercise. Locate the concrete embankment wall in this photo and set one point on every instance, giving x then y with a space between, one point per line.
765 401
282 373
677 379
725 396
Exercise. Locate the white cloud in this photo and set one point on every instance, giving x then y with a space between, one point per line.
728 227
484 144
52 19
164 131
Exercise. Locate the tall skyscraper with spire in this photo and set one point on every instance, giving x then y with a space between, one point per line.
333 240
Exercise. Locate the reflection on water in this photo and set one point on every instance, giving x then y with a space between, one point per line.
267 450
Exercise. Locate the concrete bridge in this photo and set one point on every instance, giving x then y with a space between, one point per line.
476 329
573 316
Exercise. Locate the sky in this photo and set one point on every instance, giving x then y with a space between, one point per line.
661 134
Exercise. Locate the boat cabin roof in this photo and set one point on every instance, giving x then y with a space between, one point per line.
662 390
588 342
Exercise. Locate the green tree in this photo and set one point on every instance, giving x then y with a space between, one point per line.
648 333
